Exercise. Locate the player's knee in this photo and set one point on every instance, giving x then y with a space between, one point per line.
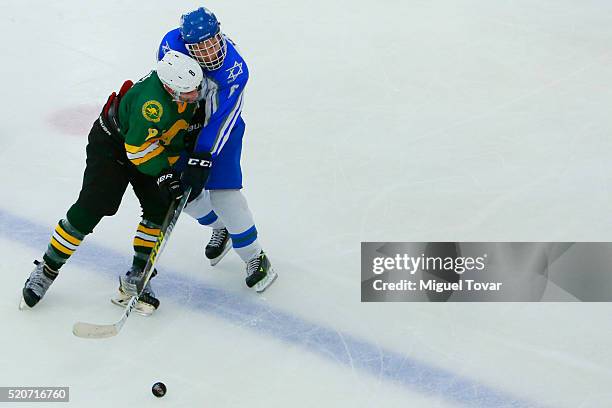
154 211
107 210
82 218
200 207
222 199
97 204
232 208
156 217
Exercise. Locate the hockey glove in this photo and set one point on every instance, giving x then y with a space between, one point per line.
196 172
170 185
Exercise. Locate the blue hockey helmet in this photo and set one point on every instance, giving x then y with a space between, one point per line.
199 25
201 32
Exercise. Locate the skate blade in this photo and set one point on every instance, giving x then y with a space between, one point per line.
146 310
218 259
23 305
265 283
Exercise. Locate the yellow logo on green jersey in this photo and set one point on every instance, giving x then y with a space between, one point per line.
152 111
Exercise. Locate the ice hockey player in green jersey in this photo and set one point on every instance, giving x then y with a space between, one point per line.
138 136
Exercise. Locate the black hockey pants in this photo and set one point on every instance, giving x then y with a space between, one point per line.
107 174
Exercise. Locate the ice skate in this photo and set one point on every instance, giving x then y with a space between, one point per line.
260 273
218 245
147 302
37 285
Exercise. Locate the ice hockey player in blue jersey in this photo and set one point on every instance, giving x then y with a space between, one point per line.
220 204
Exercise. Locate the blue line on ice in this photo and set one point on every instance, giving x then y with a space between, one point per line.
260 317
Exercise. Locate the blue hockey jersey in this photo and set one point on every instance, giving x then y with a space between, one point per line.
222 93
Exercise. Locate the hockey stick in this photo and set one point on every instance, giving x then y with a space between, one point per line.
100 331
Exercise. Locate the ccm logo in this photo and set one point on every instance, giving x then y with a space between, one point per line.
199 162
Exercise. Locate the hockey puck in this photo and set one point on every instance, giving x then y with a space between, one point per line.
159 389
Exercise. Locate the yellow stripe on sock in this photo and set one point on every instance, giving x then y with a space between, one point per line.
143 243
67 236
150 231
60 247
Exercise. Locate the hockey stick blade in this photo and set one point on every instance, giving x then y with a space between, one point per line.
94 331
103 331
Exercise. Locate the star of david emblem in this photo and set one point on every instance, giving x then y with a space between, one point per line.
234 72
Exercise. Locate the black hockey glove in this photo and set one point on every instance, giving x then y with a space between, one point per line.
170 185
196 173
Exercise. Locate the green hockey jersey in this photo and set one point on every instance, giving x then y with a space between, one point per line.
153 125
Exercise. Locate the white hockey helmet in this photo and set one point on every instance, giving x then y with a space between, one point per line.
179 72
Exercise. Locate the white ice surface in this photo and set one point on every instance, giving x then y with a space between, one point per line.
387 121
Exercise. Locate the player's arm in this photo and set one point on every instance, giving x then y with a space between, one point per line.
226 106
222 106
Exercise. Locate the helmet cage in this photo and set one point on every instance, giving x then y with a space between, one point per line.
209 53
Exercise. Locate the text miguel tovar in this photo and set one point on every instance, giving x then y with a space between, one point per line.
434 285
412 264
